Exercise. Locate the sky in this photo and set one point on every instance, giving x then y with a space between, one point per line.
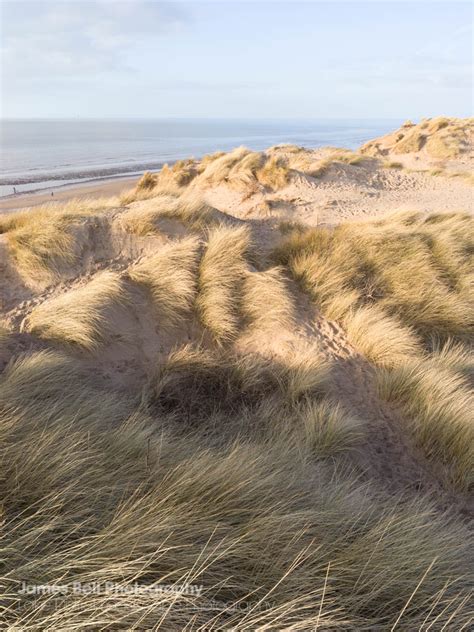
147 59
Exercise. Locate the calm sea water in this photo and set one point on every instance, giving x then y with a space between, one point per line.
43 154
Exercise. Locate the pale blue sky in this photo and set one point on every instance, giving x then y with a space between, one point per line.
247 59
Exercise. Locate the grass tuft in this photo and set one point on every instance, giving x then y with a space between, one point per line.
170 275
438 405
82 317
221 276
266 302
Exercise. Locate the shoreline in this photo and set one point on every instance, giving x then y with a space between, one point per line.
107 187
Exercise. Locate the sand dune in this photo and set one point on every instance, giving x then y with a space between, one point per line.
217 380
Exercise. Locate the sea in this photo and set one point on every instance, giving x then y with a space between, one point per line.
46 154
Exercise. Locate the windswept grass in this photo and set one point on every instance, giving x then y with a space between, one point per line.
4 333
188 209
242 168
393 164
415 268
380 338
441 138
221 276
274 174
319 167
219 170
267 302
171 277
446 146
45 242
307 375
327 428
147 181
180 174
82 317
256 526
410 142
453 356
437 404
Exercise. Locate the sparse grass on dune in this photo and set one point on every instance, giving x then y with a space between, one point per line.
146 193
81 317
438 405
242 168
93 496
188 208
393 164
439 138
318 167
180 174
221 275
218 170
171 277
45 242
37 215
147 181
267 302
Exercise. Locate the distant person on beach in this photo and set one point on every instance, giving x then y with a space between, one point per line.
52 194
14 190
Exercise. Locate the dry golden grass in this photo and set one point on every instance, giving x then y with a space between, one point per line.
316 168
171 277
437 404
444 146
221 275
441 138
188 209
81 317
147 181
48 241
266 302
180 174
4 333
140 194
219 169
242 168
230 470
410 142
92 493
274 174
307 374
453 356
327 428
380 338
244 172
414 267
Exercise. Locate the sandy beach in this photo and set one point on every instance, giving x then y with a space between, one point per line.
93 190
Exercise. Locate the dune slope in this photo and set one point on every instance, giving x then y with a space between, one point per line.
270 417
